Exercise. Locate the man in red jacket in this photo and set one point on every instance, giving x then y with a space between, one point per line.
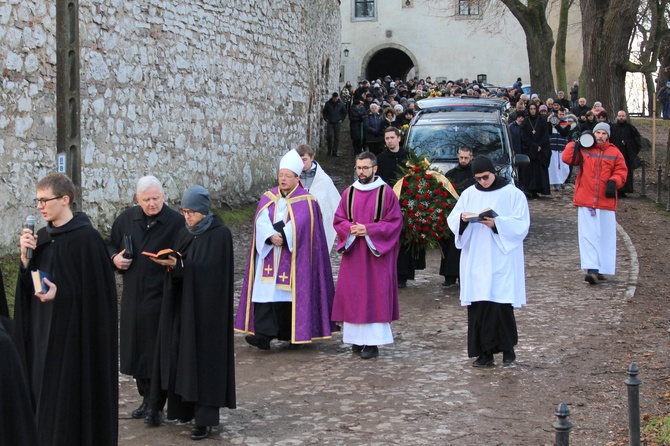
602 170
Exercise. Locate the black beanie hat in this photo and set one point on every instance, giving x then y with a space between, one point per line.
482 164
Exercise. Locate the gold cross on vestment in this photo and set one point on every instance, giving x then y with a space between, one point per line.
283 277
268 270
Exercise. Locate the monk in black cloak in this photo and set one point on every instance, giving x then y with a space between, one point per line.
195 363
17 423
67 337
462 177
535 132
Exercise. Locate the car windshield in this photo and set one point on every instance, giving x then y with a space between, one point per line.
442 141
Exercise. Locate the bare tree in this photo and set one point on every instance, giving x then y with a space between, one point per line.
607 30
539 42
561 39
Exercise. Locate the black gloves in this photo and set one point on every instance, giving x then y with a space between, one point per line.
610 190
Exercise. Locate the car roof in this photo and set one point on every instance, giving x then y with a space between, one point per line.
452 103
477 117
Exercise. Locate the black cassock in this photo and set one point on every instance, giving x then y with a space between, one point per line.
462 178
196 363
68 347
535 176
142 284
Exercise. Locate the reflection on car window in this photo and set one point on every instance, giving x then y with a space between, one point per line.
442 141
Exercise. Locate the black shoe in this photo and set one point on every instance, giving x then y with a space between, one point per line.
258 341
483 361
141 411
336 155
200 432
292 346
591 278
153 418
356 348
402 284
369 352
509 357
449 282
601 278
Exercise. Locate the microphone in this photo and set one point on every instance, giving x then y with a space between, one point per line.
30 224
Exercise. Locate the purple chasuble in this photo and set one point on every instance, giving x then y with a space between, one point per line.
306 271
367 283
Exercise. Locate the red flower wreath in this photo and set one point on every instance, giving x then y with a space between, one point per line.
426 198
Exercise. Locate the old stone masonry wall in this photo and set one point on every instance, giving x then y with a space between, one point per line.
201 91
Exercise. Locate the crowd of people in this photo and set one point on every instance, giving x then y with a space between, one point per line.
177 321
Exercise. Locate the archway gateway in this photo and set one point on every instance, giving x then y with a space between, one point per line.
394 60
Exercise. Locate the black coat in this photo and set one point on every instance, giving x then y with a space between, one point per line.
356 115
628 139
196 325
389 165
17 422
142 284
462 178
68 347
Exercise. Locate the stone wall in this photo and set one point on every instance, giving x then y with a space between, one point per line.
200 92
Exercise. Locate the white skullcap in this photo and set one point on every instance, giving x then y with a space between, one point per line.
292 161
398 107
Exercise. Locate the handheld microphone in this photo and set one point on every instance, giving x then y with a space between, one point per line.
30 224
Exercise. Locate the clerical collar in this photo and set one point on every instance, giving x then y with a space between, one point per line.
378 182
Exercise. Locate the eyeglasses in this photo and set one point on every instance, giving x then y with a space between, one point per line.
363 168
188 212
43 201
483 177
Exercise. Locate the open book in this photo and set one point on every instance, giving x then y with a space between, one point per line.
162 254
474 217
38 283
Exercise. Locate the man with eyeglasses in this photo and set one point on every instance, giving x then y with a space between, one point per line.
368 222
149 226
492 269
67 336
287 292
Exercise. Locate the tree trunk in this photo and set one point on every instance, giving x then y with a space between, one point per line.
539 43
607 26
561 38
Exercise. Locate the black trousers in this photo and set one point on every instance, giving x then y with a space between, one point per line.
491 328
273 320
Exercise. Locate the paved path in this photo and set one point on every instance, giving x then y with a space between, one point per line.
422 389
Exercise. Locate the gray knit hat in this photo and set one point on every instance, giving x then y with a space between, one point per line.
196 199
602 126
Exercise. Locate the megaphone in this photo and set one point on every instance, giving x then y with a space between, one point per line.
586 139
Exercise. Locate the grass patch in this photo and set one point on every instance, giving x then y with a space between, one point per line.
10 271
656 430
238 215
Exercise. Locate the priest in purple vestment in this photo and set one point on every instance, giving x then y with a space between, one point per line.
287 293
368 222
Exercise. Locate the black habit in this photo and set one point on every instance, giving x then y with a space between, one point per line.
535 132
627 138
196 364
68 347
389 165
462 178
142 283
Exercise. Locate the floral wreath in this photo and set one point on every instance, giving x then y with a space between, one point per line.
426 199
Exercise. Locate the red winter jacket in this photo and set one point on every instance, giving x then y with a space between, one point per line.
597 165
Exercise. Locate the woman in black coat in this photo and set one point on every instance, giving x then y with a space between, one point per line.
195 362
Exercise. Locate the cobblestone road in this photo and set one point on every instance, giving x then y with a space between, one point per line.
422 389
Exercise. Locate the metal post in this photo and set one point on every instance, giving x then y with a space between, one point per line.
68 137
660 184
667 208
633 405
643 165
562 426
